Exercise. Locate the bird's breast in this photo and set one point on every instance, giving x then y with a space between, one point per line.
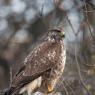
63 55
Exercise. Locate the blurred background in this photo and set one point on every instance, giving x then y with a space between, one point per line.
24 23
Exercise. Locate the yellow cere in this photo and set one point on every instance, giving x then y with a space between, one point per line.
62 34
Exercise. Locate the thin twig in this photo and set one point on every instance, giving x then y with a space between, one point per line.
67 83
78 67
89 11
65 90
11 76
87 21
86 63
70 23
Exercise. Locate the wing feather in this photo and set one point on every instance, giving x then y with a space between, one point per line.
33 66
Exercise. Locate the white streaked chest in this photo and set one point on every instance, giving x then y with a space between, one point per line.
63 55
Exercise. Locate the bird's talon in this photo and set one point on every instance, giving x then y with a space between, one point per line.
50 89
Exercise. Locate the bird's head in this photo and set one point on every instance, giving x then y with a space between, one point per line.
56 34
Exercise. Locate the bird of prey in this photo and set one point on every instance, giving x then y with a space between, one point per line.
47 60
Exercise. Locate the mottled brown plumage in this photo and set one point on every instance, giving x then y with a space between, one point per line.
46 60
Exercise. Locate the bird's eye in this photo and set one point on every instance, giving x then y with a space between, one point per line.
62 34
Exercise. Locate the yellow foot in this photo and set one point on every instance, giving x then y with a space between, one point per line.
50 88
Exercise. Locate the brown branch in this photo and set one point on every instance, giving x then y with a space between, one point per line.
78 67
79 72
68 85
87 21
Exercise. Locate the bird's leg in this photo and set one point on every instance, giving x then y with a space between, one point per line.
51 84
54 76
48 82
50 78
50 88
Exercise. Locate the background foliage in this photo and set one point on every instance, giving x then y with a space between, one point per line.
24 22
